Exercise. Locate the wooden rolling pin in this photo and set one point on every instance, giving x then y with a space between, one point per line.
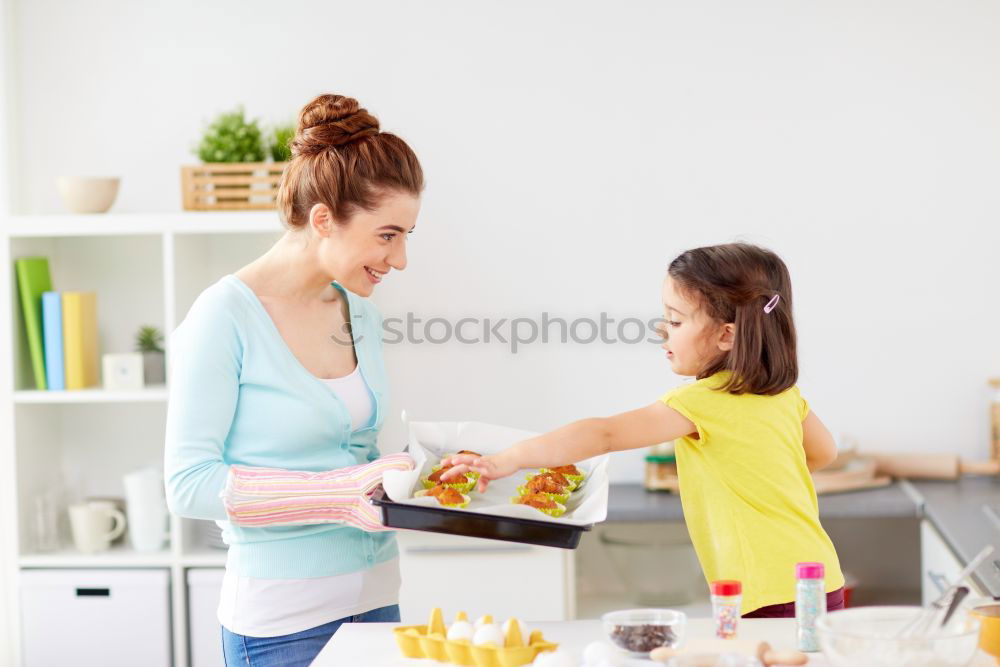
931 466
711 648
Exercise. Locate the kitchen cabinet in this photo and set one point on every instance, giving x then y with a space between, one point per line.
105 617
939 567
479 577
204 632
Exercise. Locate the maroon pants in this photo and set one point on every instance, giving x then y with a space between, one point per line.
834 601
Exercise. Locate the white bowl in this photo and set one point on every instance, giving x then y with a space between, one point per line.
87 195
866 637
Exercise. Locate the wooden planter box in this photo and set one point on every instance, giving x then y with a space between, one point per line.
245 186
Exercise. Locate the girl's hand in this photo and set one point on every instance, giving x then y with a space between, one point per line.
488 467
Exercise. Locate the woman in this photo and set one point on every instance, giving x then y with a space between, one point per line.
278 392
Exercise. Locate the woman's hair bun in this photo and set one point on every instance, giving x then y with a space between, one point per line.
330 121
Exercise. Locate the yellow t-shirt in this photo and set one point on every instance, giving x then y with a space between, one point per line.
749 502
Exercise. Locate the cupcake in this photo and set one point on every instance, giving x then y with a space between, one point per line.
541 502
446 496
559 478
550 484
570 472
461 483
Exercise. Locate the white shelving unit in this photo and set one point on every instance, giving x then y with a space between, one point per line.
146 269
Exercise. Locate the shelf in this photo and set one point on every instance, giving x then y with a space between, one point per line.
128 224
114 557
153 394
205 557
122 557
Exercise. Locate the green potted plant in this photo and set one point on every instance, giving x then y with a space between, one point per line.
281 139
234 175
149 341
232 138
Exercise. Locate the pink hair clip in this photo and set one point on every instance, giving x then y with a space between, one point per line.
772 303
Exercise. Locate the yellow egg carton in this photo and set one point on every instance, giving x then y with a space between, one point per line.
429 641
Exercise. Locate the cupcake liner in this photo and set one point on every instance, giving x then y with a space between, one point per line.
556 512
461 487
558 497
426 494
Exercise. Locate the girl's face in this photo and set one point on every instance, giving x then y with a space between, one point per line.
691 339
359 253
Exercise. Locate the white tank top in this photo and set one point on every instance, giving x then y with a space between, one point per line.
353 391
275 607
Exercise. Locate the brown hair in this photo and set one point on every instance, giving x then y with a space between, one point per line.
341 159
733 283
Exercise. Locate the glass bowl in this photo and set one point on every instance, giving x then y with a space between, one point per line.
639 631
867 636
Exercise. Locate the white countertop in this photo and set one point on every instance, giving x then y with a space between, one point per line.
372 644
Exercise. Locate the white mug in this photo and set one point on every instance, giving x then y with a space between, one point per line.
147 509
89 522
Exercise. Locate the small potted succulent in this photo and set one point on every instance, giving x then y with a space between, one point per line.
149 341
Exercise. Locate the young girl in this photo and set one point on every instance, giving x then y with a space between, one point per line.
746 439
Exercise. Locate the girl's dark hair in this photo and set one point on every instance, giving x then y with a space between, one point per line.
732 283
340 158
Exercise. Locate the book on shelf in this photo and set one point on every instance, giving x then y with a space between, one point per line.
52 327
34 279
80 353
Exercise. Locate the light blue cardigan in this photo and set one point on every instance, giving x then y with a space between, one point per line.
239 396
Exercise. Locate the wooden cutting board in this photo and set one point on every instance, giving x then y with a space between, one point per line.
859 473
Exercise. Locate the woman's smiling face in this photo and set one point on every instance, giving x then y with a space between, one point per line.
690 338
359 252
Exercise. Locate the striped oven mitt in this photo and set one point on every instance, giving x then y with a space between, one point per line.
276 497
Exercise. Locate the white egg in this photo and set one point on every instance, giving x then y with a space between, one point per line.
599 653
557 658
480 622
488 634
460 630
525 630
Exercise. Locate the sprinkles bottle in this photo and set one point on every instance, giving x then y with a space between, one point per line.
726 599
810 603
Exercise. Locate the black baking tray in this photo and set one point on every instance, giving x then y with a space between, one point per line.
474 524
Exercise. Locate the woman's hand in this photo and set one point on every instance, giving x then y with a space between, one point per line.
488 467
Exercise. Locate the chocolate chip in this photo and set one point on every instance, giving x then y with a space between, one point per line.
642 638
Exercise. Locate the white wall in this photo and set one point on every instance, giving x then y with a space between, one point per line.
8 482
573 148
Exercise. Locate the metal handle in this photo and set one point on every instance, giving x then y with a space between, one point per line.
93 592
467 550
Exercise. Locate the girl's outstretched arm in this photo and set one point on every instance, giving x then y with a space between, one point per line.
577 441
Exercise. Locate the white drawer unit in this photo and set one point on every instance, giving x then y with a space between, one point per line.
204 633
479 577
939 567
95 617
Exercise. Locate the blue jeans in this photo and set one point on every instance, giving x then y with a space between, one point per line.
300 648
